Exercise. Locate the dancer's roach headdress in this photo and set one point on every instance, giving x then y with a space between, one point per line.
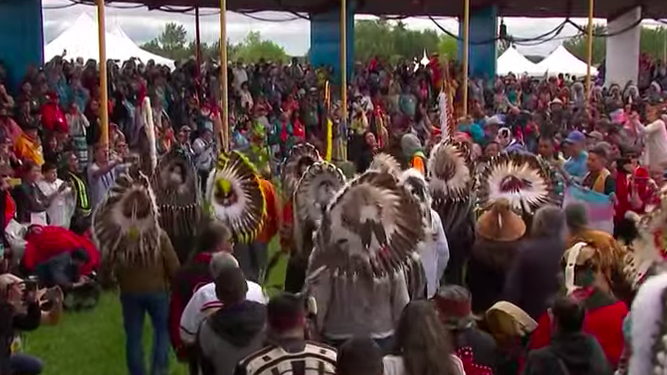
126 226
235 197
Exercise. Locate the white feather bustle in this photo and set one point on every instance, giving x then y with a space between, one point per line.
386 163
648 318
460 185
149 128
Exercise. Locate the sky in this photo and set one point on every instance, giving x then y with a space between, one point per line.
142 25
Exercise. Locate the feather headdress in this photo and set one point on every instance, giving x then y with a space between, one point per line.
368 229
450 171
386 163
125 225
178 196
521 179
314 191
301 156
235 197
649 328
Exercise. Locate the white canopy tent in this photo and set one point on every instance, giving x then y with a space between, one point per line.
80 40
562 61
512 61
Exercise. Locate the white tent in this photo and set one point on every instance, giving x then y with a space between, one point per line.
562 61
80 40
512 61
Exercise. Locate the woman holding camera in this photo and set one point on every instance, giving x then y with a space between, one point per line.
19 311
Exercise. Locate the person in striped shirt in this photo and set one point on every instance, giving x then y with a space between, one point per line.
288 352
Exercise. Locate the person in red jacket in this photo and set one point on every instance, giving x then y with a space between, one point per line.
44 242
585 282
53 117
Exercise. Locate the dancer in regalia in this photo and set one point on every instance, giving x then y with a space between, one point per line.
314 191
236 198
364 247
138 254
176 185
451 181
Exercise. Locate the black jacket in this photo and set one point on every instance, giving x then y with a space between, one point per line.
10 322
534 278
568 354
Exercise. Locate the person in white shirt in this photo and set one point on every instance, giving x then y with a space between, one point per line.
240 75
655 152
205 301
61 207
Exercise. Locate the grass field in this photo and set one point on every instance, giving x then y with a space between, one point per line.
93 342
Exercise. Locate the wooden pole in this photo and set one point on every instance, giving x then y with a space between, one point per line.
466 54
224 106
197 40
104 100
343 58
589 62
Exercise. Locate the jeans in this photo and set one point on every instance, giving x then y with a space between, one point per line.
135 306
24 364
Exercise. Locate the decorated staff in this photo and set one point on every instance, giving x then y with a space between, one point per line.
176 185
235 198
315 190
451 182
364 247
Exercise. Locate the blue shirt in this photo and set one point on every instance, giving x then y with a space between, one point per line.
576 167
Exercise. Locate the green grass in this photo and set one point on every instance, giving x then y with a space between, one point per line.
93 342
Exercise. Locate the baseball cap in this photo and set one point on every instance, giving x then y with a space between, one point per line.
575 137
494 120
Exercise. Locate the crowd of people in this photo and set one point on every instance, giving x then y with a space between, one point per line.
500 278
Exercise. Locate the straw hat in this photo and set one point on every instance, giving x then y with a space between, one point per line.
505 319
500 223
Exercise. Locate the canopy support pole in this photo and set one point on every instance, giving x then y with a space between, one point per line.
343 59
224 106
466 54
197 40
104 100
591 6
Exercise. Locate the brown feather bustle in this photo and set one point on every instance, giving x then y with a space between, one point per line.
317 187
520 178
180 205
301 156
450 172
349 242
385 163
245 209
125 225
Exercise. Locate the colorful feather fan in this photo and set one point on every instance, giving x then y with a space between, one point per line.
235 198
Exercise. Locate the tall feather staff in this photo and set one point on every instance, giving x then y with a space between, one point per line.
235 197
451 181
176 185
125 226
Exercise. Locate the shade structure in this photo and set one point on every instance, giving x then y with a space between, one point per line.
80 40
512 61
562 61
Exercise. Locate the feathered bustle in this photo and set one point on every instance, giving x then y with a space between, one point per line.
300 157
386 163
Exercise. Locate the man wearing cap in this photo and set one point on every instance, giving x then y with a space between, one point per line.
28 145
575 165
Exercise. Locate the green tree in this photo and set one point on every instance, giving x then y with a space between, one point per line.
393 41
171 43
253 48
652 42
